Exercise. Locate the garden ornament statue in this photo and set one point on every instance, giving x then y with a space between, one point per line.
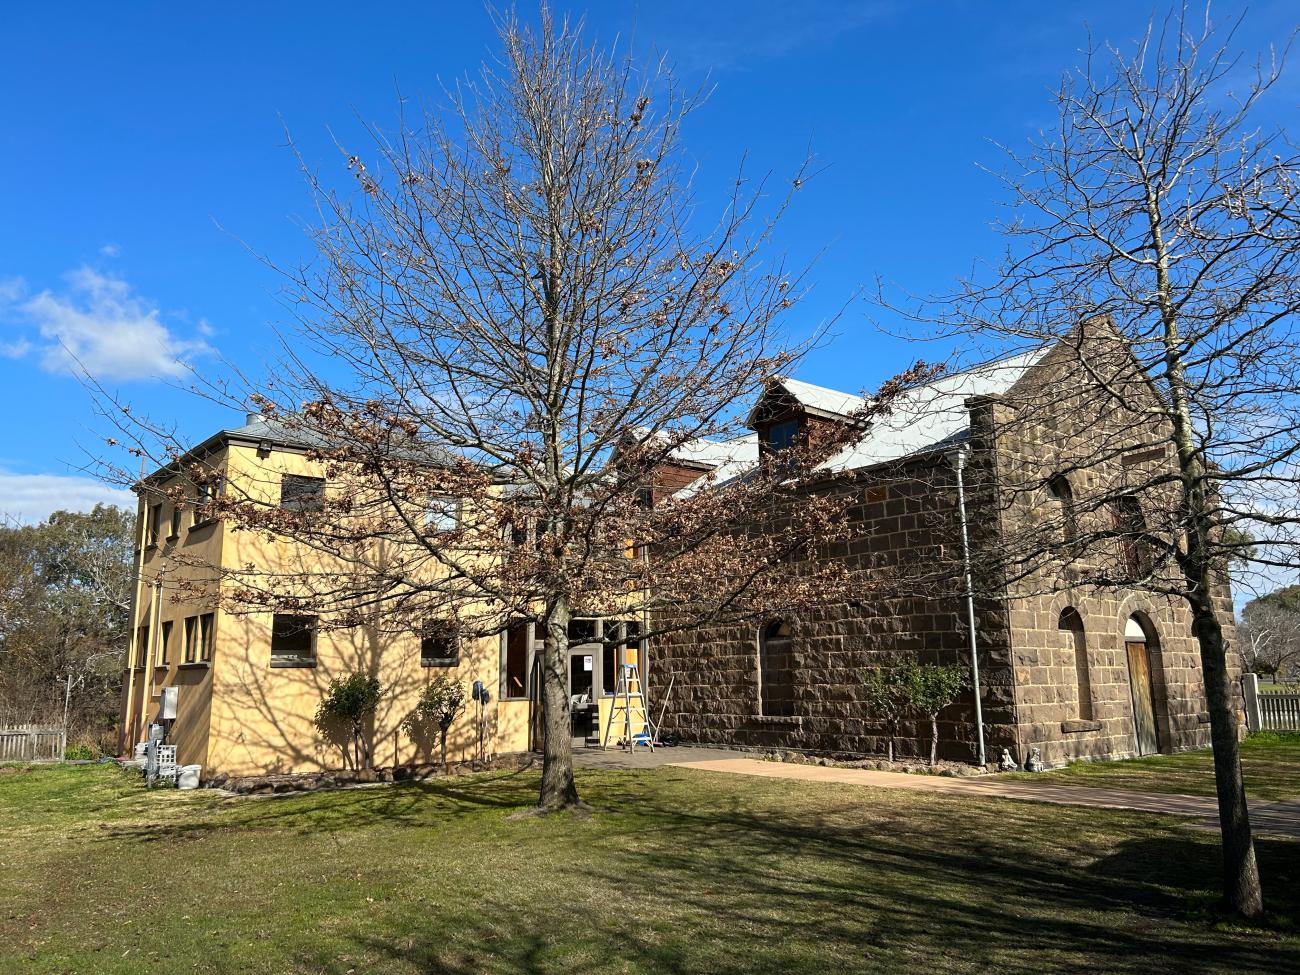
1034 763
1006 763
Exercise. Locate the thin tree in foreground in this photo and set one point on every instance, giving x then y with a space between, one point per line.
1164 220
518 315
932 687
440 704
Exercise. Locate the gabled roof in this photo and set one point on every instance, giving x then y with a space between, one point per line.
814 399
717 453
926 418
932 415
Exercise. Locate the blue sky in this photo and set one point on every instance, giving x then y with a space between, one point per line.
145 154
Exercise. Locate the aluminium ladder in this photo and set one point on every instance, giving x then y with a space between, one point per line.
629 704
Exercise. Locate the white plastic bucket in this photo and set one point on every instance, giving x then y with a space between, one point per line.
187 776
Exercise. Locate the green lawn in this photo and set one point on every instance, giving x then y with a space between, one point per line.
675 871
1270 762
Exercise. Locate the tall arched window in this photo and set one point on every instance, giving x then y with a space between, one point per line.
1070 626
1137 557
775 670
1060 488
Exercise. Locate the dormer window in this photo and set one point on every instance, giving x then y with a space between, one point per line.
782 435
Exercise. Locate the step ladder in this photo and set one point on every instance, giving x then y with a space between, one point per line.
628 712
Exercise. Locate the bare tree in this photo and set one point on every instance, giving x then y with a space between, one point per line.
1269 637
519 316
1156 231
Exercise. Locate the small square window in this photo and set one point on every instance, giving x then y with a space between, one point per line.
293 641
207 494
582 631
782 435
299 493
439 644
443 514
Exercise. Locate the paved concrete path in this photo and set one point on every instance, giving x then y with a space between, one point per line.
1272 818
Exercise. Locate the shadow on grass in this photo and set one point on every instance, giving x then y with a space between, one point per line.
415 804
938 885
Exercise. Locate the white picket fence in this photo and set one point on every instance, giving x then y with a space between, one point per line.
31 743
1269 710
1279 711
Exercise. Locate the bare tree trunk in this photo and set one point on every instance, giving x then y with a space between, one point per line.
934 738
559 791
1241 887
442 741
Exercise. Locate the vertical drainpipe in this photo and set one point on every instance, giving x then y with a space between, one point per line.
958 458
130 726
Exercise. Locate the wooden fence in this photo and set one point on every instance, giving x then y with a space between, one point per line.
1279 710
31 743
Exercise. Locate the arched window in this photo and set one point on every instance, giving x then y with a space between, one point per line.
1076 644
1130 524
1060 488
775 670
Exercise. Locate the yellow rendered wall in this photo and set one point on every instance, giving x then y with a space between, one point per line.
263 716
187 588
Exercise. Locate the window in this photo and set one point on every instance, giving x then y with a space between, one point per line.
623 652
1070 626
191 638
782 435
541 528
518 529
207 635
514 675
439 644
1135 551
293 641
582 631
1064 495
443 515
143 650
208 492
155 524
776 670
299 493
175 531
164 644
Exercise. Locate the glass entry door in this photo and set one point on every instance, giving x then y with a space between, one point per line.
582 700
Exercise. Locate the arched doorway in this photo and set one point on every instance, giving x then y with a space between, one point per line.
1136 643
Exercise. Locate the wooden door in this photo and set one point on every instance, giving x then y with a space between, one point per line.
1144 710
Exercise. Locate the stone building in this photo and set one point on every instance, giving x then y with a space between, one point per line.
1079 671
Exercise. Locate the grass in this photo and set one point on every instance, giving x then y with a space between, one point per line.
1270 762
675 871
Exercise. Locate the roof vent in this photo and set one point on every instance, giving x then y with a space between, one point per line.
252 418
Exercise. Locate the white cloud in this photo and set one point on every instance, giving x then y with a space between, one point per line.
110 250
29 498
11 289
98 322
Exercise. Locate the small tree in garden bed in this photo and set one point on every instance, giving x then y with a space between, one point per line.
932 687
888 693
350 701
440 704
